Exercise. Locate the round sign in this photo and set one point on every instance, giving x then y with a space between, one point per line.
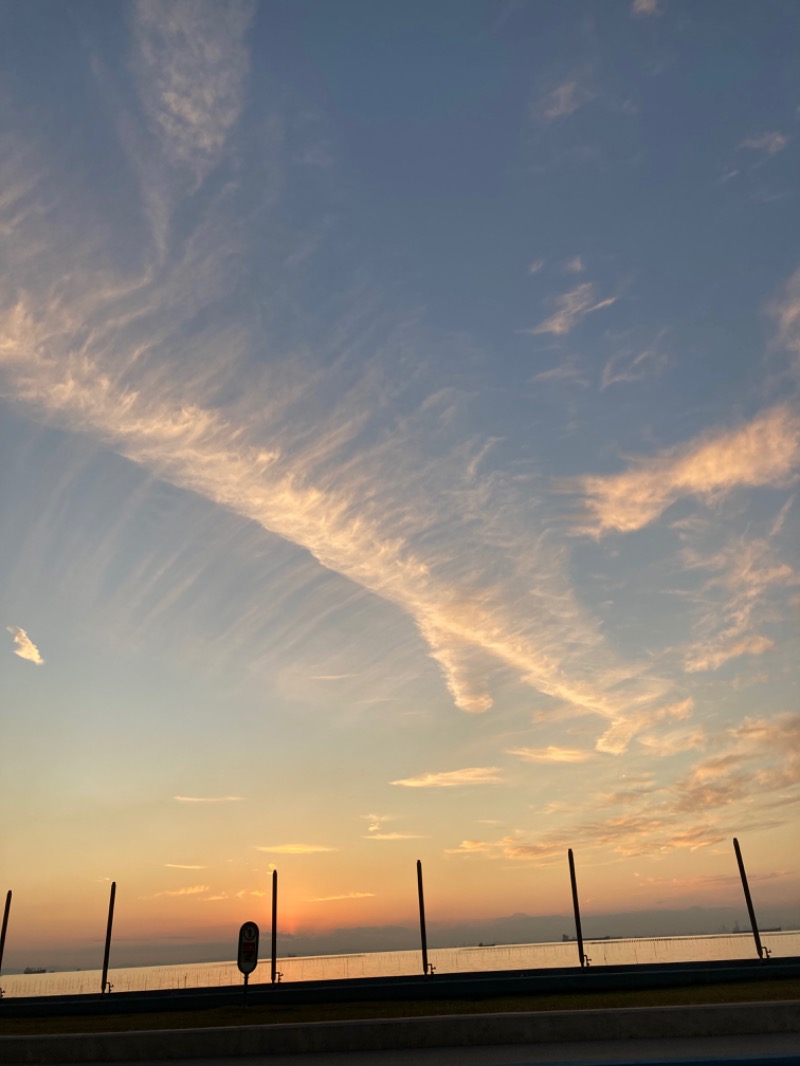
247 955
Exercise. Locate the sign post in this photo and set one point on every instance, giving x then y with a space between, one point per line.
247 955
104 984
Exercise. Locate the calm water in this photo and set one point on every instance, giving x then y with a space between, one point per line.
397 963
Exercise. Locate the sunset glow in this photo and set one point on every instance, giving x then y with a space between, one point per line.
399 414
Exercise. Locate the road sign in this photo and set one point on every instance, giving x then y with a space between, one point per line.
247 956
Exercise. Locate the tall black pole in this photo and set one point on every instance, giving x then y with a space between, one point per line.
6 911
747 899
108 934
576 907
274 925
422 932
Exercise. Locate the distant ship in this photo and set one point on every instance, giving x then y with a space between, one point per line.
34 969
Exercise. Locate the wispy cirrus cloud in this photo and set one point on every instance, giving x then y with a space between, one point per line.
122 360
24 646
785 310
713 660
566 373
394 836
208 799
736 601
191 63
376 821
645 7
769 143
189 890
561 101
183 866
343 896
765 451
673 742
751 782
708 880
472 775
627 367
293 849
375 830
194 447
571 308
553 753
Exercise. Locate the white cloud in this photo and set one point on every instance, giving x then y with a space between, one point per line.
561 101
627 367
786 312
181 866
473 775
770 143
765 451
208 799
575 265
293 849
24 646
191 62
536 266
645 7
572 307
566 373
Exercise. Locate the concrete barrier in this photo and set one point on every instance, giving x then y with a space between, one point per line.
471 1030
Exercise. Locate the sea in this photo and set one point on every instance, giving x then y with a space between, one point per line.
484 957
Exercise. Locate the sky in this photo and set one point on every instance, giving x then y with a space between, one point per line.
400 432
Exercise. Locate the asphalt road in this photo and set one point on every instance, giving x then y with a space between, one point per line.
775 1049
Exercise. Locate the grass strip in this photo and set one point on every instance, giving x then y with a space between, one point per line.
696 995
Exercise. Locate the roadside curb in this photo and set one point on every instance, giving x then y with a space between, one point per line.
393 1034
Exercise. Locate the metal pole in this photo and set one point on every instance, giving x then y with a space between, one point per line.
422 933
6 911
576 907
274 925
747 899
108 934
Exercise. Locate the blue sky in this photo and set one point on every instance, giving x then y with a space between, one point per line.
399 410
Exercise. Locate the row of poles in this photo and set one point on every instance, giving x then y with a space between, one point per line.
427 968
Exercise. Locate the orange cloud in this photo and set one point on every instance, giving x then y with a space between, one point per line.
346 895
702 660
24 646
766 451
552 754
473 775
293 849
190 890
